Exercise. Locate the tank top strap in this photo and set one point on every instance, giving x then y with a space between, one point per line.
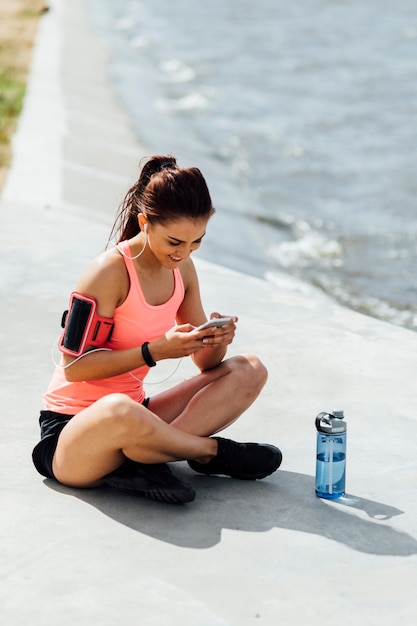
124 249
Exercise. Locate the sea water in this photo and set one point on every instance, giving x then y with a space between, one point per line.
302 118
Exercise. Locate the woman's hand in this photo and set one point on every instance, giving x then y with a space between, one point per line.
179 341
185 339
217 336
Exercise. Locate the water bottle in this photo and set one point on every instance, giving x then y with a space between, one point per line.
331 455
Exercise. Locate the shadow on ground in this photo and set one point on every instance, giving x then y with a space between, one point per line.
285 500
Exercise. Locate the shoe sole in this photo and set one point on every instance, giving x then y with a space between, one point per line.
160 495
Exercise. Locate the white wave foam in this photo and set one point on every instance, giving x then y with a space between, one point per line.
192 102
139 42
368 305
125 23
309 248
176 71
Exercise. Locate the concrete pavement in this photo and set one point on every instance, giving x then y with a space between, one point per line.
241 554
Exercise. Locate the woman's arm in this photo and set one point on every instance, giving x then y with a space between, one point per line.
101 363
107 281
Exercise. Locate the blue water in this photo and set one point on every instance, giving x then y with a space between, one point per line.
330 483
302 116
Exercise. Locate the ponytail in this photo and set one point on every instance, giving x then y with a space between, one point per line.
164 192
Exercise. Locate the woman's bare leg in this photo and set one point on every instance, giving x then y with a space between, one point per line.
211 401
97 441
177 426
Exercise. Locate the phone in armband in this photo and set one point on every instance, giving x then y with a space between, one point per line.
83 326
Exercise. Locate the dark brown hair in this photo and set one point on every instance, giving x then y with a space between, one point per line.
164 193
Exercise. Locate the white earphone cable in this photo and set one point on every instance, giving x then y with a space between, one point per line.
132 258
64 367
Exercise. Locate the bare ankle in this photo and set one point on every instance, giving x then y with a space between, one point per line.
212 446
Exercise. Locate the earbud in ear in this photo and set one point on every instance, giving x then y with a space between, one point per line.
145 228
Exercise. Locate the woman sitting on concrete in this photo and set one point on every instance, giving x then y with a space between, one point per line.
136 304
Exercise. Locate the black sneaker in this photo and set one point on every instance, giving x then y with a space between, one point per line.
155 481
246 461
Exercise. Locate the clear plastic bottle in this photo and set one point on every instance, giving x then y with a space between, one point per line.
331 455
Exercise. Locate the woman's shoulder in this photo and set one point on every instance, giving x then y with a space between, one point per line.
108 263
106 278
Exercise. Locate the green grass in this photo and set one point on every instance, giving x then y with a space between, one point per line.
12 92
18 26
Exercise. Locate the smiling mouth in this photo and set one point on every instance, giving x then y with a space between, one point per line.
174 259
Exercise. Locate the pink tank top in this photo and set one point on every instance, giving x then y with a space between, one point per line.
135 321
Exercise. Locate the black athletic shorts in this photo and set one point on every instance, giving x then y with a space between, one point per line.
51 424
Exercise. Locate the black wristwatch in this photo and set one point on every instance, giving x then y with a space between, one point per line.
147 357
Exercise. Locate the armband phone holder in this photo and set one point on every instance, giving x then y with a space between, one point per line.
83 326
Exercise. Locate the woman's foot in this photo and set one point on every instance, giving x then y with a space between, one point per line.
246 461
154 481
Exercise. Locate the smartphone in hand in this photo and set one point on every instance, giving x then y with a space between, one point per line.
216 322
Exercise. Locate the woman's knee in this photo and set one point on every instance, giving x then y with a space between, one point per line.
252 371
124 415
115 405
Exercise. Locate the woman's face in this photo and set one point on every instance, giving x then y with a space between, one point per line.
173 242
